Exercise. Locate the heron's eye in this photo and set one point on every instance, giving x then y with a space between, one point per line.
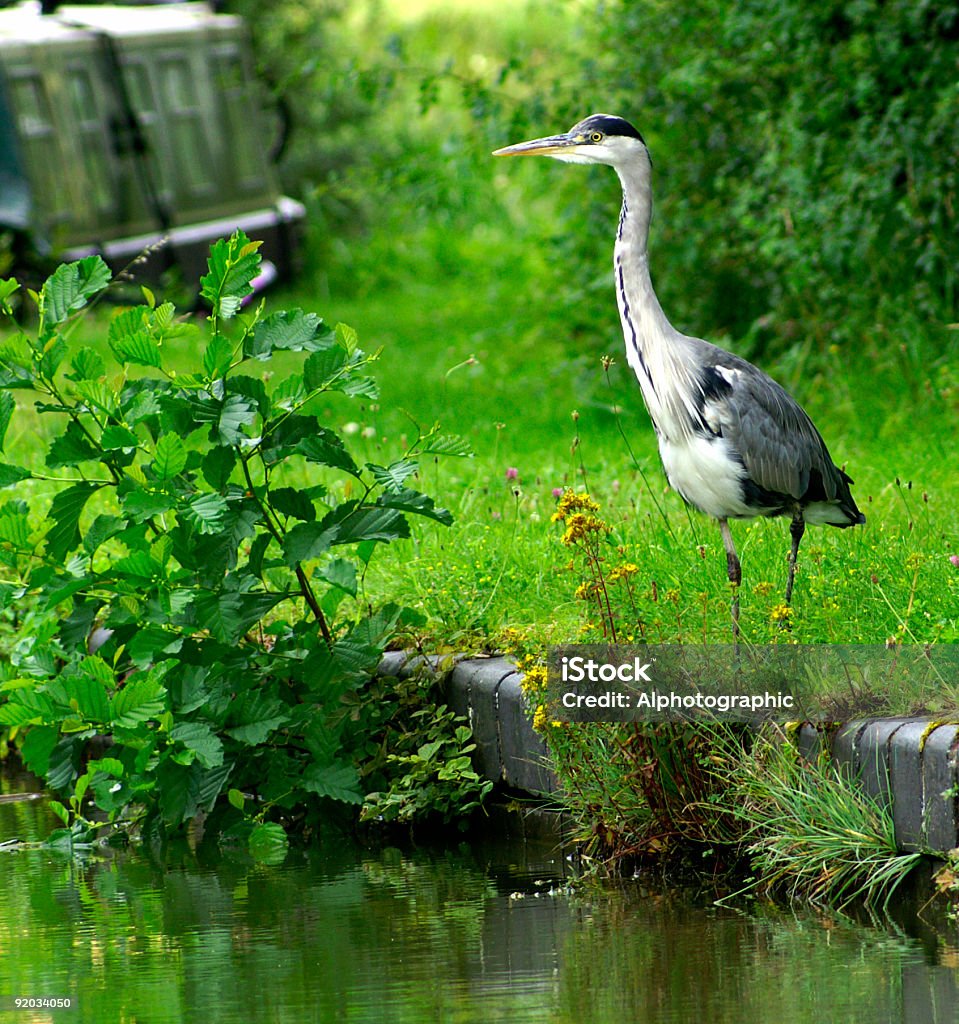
596 137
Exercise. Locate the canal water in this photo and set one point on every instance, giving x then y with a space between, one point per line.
471 932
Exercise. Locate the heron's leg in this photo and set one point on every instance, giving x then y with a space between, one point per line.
796 529
734 570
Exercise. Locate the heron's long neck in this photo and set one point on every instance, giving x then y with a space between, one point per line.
654 349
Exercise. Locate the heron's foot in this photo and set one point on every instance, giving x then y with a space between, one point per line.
733 569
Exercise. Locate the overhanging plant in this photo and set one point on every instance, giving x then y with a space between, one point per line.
185 597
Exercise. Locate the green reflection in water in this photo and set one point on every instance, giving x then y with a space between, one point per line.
473 934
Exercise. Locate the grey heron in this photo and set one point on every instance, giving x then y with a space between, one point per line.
733 443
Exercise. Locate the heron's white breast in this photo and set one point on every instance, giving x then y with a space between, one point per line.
706 474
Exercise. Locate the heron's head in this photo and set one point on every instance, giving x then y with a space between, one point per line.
597 139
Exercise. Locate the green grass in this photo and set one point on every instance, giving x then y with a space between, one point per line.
455 275
502 564
488 358
810 834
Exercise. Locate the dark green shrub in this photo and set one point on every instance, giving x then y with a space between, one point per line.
806 161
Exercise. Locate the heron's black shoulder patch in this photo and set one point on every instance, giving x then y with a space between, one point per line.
714 385
608 124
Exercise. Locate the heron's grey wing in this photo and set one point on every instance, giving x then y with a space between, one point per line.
777 442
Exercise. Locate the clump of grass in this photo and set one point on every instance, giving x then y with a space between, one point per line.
812 833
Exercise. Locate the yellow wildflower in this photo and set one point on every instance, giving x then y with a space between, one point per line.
781 613
571 503
534 679
579 524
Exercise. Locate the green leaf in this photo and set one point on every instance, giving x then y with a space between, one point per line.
252 388
140 401
211 783
16 362
7 407
37 746
257 553
8 286
321 368
117 436
205 512
268 843
140 564
392 476
447 444
63 762
10 475
340 573
201 739
87 365
236 799
140 699
347 337
353 523
149 642
236 412
71 448
129 337
337 782
59 810
233 264
178 790
217 465
293 330
26 706
101 530
327 449
218 356
141 504
306 541
359 387
229 615
15 526
256 715
169 457
418 504
97 394
291 501
90 698
65 511
69 289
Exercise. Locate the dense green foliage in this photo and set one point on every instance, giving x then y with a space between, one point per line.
804 146
185 599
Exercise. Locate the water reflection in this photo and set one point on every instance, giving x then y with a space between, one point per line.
476 933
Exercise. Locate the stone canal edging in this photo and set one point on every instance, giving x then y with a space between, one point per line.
909 764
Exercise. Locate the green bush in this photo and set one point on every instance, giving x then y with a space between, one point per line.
805 160
186 585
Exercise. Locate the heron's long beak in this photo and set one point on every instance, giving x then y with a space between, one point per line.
549 146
